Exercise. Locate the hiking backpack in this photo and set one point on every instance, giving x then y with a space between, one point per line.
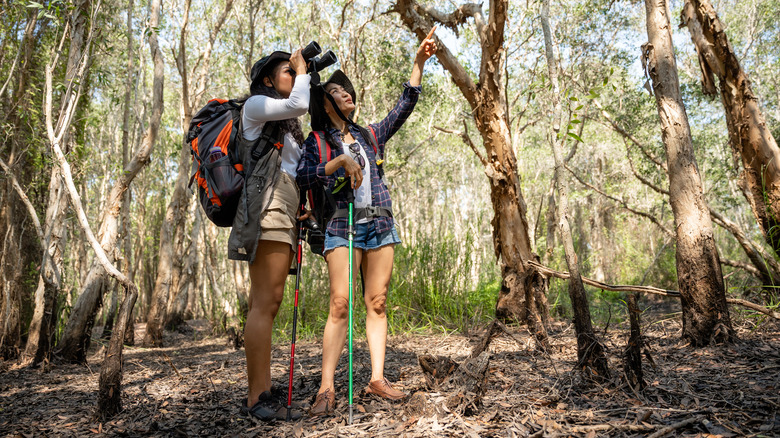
321 200
214 136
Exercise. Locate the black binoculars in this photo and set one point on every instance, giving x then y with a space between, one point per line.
316 64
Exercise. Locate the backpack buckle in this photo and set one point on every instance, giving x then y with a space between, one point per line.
371 212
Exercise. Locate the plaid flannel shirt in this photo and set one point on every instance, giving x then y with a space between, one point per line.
311 171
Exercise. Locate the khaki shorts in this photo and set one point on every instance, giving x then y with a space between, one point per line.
278 221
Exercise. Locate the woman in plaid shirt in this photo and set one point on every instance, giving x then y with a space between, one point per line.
353 156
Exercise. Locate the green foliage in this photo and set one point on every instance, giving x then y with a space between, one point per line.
434 288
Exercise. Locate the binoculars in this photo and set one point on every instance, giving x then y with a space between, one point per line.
316 63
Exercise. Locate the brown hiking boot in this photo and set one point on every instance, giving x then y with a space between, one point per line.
382 388
323 404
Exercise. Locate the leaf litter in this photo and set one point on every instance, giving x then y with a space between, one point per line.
195 385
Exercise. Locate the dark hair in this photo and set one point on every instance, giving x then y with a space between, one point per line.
320 121
293 125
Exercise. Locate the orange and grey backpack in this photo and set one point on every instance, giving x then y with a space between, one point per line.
214 136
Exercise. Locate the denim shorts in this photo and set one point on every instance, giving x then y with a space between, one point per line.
366 238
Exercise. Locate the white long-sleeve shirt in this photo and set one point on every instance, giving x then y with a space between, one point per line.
259 109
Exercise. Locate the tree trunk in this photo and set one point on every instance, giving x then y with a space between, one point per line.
41 330
632 359
174 215
178 304
705 314
20 242
590 352
192 91
76 334
11 298
108 326
124 215
523 289
749 136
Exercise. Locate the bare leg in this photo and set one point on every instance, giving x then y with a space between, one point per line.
377 269
335 335
268 274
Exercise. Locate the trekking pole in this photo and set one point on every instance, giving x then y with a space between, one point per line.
298 258
351 233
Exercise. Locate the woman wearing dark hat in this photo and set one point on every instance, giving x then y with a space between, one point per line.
263 230
354 156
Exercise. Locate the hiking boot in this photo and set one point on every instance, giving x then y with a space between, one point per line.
323 404
268 409
382 388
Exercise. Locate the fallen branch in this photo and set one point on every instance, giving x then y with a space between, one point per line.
607 427
676 426
616 288
645 289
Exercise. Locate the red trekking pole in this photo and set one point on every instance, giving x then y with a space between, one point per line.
298 258
302 225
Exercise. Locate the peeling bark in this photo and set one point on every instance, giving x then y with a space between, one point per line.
523 289
705 314
751 140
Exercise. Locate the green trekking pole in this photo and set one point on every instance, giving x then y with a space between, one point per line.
351 233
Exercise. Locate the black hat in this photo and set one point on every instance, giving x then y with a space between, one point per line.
339 78
319 118
261 67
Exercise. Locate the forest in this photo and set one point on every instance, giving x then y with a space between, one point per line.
587 195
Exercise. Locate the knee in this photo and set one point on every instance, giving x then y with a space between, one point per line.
339 308
378 304
266 301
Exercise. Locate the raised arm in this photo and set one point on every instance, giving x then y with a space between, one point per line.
266 109
424 52
405 105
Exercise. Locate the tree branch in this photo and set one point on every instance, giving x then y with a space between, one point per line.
623 203
419 21
642 147
25 200
459 16
466 139
544 270
742 265
641 178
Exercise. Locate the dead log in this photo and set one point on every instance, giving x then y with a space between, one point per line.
436 369
472 374
493 330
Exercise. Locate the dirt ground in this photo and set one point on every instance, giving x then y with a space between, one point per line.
194 388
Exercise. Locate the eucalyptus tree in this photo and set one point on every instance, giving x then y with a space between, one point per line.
590 352
195 82
76 336
705 313
523 288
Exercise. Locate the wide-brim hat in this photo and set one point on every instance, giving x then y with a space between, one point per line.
319 118
262 66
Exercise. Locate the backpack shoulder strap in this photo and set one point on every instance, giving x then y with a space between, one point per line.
322 146
374 143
